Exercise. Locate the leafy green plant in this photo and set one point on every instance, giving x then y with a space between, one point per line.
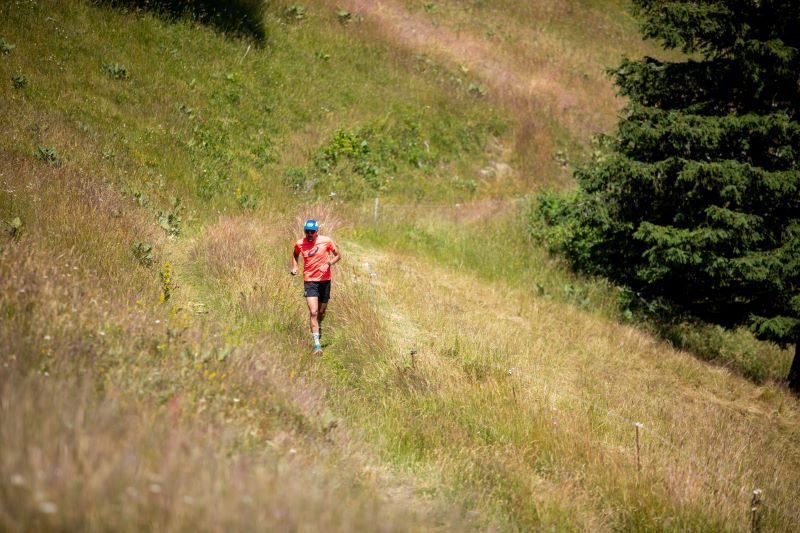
351 152
48 154
14 228
210 182
140 198
143 252
468 185
6 47
295 13
343 16
579 294
343 145
19 80
170 221
476 89
297 179
379 156
264 153
561 158
245 200
186 110
209 147
115 71
224 352
165 274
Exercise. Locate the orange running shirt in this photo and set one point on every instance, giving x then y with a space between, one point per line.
315 254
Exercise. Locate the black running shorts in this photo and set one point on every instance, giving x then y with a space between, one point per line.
320 289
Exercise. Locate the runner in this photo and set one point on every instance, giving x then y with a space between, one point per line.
319 254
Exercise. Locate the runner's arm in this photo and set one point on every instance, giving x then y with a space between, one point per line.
293 272
336 257
330 262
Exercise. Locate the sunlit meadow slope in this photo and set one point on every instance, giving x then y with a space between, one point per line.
131 398
544 61
156 371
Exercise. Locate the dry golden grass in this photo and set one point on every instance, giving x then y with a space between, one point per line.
577 385
207 412
117 412
185 415
73 461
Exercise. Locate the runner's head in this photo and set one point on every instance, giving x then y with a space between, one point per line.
310 229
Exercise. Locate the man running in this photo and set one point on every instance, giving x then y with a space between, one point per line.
319 254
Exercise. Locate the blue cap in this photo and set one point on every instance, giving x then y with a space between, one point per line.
310 225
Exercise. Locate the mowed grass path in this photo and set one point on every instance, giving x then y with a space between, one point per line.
517 409
532 404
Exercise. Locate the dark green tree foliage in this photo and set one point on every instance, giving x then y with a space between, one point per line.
697 202
242 17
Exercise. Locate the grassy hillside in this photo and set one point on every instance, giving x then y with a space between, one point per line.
155 353
544 61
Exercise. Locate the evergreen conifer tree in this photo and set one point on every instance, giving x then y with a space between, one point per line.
697 203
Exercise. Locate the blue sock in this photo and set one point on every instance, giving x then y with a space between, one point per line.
317 345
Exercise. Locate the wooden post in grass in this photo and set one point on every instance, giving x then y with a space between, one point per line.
375 212
755 501
413 360
638 426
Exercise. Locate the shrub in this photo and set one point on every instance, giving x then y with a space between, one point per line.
143 252
170 221
14 228
115 71
48 155
19 80
5 46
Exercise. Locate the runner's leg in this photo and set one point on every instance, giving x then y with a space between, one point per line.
313 318
324 296
313 313
323 306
